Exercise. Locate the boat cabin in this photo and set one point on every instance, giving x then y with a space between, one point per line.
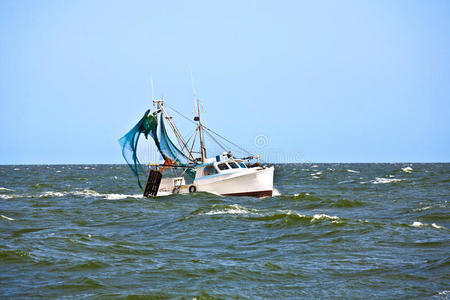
219 165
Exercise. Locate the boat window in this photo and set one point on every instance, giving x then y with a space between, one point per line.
233 165
222 166
209 170
242 165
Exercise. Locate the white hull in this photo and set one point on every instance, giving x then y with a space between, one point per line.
247 182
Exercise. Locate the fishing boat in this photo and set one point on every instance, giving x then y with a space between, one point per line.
185 167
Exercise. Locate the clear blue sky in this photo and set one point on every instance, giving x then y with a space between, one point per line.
324 81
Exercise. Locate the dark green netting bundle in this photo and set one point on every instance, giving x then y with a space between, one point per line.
147 125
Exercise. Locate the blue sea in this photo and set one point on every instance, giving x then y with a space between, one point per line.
353 231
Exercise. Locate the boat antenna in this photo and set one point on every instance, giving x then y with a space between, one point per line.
194 93
197 118
153 94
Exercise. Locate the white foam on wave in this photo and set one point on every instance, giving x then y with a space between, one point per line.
234 209
407 169
87 193
275 192
417 224
420 224
121 196
379 180
16 169
316 174
323 216
314 166
352 171
7 218
5 189
52 194
438 226
298 194
422 208
444 293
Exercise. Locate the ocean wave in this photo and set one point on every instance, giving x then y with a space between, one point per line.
88 193
417 224
6 197
7 218
266 215
6 189
428 207
15 255
323 217
342 203
437 226
407 169
420 224
352 171
275 192
230 209
379 180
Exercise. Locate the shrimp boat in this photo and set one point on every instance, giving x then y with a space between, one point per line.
184 170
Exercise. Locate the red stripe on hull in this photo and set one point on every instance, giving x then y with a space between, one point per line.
258 194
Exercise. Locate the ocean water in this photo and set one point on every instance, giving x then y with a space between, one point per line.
334 231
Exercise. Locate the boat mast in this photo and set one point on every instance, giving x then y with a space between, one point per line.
200 129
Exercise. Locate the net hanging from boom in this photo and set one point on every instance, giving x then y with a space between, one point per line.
153 125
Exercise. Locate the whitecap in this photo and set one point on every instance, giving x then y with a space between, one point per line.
314 166
352 171
7 218
5 197
234 209
422 208
275 192
5 189
16 169
417 224
437 226
385 180
298 194
121 196
317 173
52 194
87 193
58 171
323 216
407 170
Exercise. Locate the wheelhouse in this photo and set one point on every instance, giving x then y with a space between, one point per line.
213 168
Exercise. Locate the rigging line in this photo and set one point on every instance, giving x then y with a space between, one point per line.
227 140
216 141
193 141
181 115
187 142
175 129
209 130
